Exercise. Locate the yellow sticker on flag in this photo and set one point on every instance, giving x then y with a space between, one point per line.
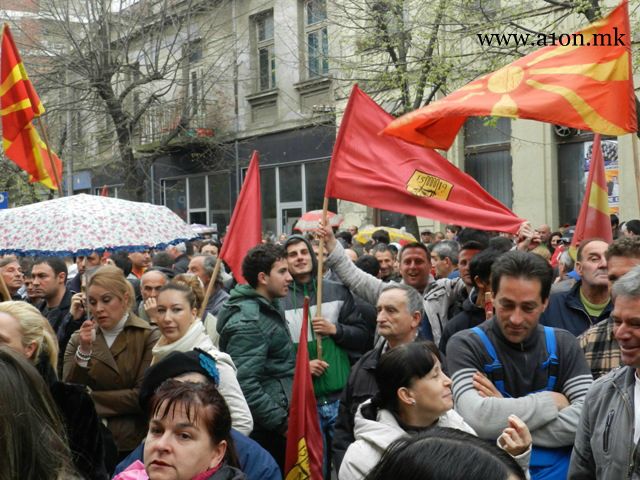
422 184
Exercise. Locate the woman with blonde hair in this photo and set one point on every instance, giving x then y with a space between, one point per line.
26 331
182 331
110 353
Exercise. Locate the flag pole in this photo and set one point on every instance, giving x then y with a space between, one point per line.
50 153
634 145
212 282
325 207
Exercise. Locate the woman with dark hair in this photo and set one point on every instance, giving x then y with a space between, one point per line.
414 396
198 366
555 240
189 435
32 441
110 353
445 454
183 331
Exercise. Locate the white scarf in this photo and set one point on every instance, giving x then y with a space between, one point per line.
195 337
110 335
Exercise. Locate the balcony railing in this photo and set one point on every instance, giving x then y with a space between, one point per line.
162 120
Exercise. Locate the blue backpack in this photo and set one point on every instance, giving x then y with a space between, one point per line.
546 463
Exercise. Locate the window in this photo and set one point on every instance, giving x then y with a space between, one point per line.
109 191
192 54
202 199
266 56
574 157
317 38
290 190
487 156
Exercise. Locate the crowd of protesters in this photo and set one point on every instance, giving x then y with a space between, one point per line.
467 354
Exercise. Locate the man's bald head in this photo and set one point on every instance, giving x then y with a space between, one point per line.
151 282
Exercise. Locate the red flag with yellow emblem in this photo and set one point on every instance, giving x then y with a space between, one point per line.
593 220
303 459
385 172
588 86
20 105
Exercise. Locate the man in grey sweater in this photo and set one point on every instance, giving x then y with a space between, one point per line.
512 365
607 439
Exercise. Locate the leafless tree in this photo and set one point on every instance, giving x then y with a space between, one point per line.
126 81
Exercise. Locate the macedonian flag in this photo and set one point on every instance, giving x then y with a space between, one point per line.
586 84
593 220
20 104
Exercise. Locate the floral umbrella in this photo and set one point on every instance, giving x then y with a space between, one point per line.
309 220
80 224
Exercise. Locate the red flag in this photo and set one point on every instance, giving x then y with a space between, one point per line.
385 172
245 228
594 220
304 441
586 84
20 105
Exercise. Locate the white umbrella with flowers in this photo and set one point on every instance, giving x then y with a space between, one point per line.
81 224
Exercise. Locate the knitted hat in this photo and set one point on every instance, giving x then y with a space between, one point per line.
174 365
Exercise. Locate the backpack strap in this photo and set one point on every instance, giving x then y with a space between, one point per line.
551 364
494 369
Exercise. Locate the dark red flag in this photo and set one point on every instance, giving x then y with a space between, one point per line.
245 228
304 441
388 173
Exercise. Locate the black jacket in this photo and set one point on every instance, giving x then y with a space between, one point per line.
92 448
565 310
62 323
470 316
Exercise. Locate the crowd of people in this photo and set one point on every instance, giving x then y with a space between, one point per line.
467 354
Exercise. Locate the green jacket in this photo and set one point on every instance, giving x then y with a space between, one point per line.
253 331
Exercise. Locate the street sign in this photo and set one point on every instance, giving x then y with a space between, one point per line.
4 199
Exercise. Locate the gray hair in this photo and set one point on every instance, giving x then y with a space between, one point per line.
447 249
414 300
628 285
566 260
180 247
209 264
383 248
6 260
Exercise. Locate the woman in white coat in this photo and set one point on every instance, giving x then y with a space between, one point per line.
414 395
183 331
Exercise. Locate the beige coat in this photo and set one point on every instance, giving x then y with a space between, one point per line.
114 377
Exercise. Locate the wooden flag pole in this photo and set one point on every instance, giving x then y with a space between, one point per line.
51 163
325 207
212 282
636 168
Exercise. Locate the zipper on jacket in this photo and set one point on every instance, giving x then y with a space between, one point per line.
607 428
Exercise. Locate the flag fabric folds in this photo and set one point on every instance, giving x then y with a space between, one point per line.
20 105
245 228
594 220
304 455
387 173
588 86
